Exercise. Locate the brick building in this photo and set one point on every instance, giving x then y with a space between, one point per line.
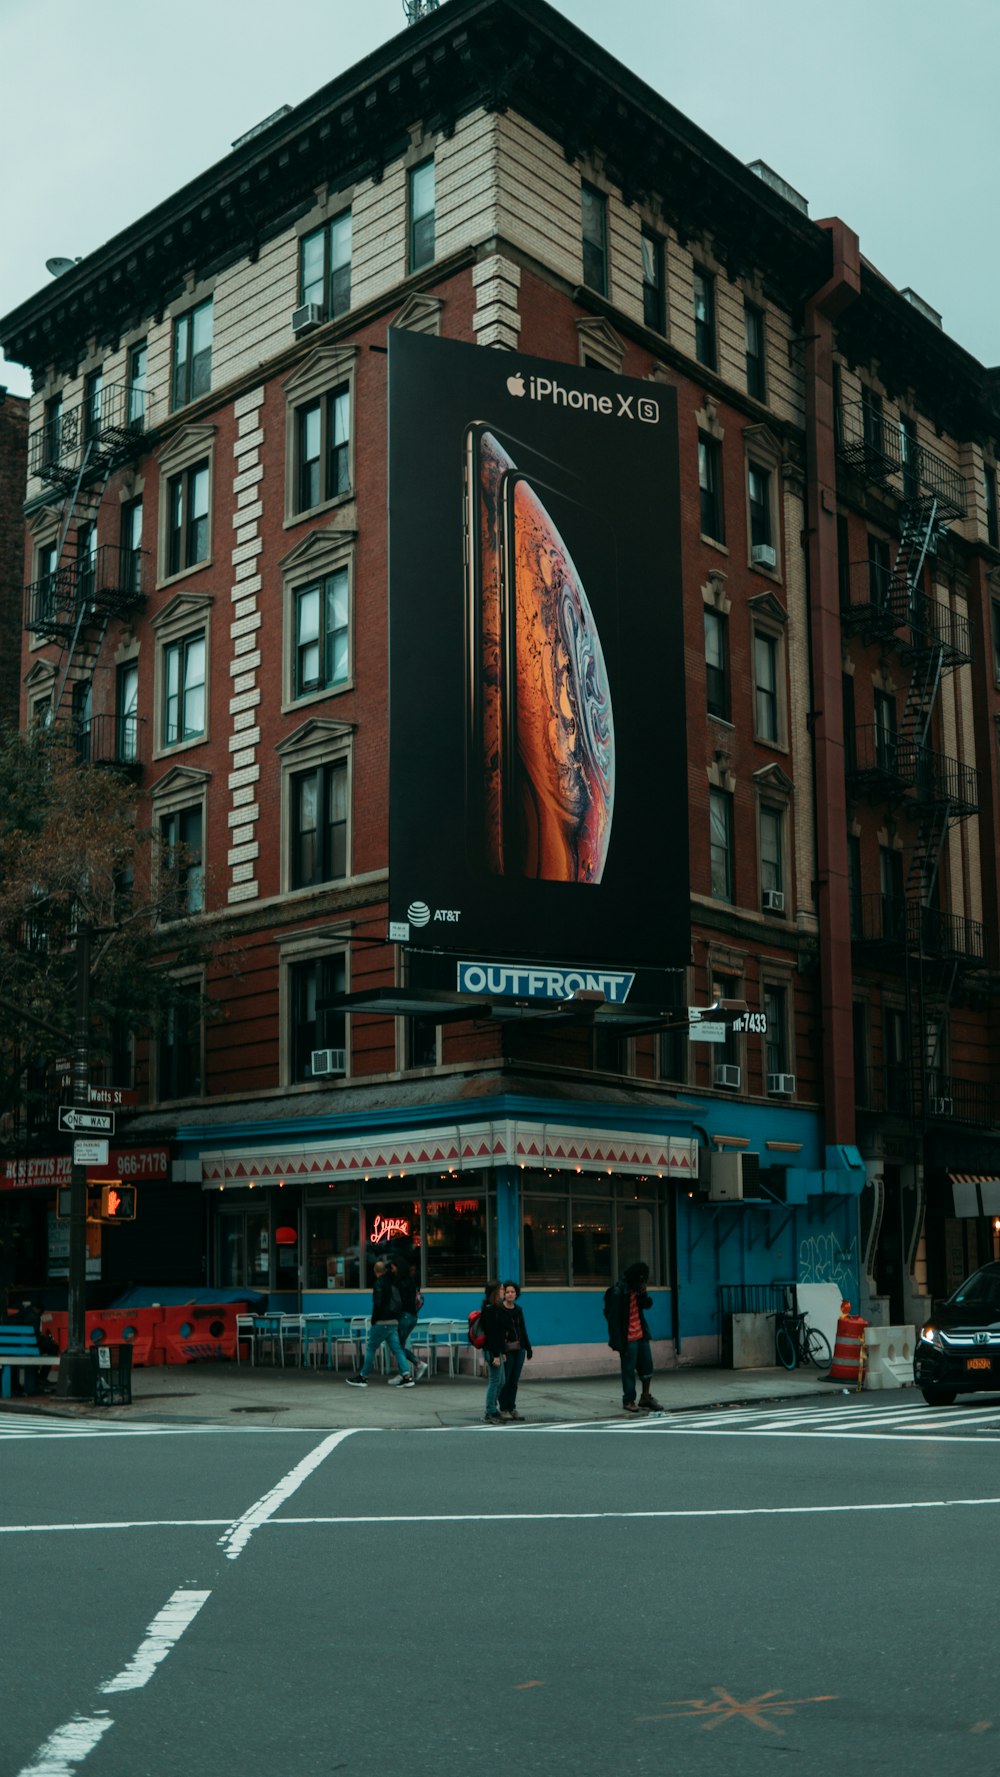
208 436
13 458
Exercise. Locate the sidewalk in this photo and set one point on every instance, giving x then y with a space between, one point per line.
231 1394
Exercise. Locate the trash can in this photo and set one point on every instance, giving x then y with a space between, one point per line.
112 1375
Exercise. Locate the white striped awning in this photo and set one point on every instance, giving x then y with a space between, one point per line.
975 1194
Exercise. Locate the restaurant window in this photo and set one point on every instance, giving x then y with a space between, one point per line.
456 1242
421 214
192 355
312 1026
716 664
654 307
244 1247
704 317
594 227
710 488
753 334
635 1233
544 1246
567 1238
332 1258
325 267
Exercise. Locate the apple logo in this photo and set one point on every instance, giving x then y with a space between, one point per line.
515 384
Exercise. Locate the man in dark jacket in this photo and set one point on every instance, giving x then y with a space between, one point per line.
384 1330
628 1334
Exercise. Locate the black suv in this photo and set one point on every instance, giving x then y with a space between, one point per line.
959 1350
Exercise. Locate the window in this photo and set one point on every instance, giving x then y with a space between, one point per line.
765 672
775 1006
716 664
872 425
850 722
137 385
311 984
753 333
710 488
654 307
321 634
772 875
179 1046
859 1035
420 1036
885 731
130 578
325 267
990 501
421 210
83 715
184 689
181 855
995 620
893 892
761 532
909 452
323 441
673 1045
192 355
127 713
332 1246
187 519
86 562
594 224
879 573
567 1239
52 430
720 810
93 397
704 317
897 1066
319 825
456 1242
854 884
46 586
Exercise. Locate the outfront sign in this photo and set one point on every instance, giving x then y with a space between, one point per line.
538 767
527 981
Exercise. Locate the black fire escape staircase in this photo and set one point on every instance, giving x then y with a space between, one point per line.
937 944
73 605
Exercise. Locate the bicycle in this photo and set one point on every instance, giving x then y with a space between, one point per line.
796 1343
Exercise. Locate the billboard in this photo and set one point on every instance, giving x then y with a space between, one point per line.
538 766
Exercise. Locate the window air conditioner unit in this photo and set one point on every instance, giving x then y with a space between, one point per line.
773 901
782 1085
308 316
727 1075
941 1107
733 1177
764 555
327 1061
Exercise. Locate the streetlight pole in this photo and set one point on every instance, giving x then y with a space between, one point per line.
74 1381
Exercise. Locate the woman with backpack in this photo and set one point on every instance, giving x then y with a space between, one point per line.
493 1329
517 1346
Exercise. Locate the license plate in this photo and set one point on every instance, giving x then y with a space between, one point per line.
977 1363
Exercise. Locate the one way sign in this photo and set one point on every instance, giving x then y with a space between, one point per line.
72 1120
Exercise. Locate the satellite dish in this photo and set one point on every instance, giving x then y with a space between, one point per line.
59 264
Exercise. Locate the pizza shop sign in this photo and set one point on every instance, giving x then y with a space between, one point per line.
48 1171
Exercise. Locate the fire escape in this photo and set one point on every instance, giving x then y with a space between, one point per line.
87 584
885 602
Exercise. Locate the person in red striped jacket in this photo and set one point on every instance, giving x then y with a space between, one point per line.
628 1334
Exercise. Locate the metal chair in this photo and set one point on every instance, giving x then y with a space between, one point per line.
292 1329
246 1334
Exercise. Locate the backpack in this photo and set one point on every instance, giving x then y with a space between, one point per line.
476 1336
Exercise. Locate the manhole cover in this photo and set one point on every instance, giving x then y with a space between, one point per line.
258 1409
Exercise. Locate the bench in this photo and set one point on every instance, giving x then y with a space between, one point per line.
19 1351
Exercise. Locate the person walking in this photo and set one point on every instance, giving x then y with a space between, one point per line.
413 1301
517 1347
628 1334
492 1326
387 1307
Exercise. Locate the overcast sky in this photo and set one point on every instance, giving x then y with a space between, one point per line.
880 111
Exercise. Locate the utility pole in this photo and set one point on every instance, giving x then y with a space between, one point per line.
75 1381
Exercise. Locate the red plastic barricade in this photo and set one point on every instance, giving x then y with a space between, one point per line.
195 1332
138 1327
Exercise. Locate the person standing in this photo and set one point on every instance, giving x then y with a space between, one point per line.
493 1328
628 1334
413 1301
384 1330
517 1347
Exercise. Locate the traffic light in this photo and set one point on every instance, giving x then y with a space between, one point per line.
118 1203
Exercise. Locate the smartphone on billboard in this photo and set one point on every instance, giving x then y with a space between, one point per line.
486 463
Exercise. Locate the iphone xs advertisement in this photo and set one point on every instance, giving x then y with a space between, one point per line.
538 772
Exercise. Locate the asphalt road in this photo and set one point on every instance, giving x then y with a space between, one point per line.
704 1593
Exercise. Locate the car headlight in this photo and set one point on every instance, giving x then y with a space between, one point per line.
931 1336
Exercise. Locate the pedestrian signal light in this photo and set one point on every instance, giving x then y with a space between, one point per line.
118 1203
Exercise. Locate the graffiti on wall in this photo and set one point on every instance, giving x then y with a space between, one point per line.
822 1259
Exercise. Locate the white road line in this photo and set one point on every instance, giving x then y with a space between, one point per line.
90 1430
903 1505
164 1631
121 1524
67 1747
240 1532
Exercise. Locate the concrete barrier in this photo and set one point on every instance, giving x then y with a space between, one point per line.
889 1357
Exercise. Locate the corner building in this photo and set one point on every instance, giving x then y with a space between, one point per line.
207 603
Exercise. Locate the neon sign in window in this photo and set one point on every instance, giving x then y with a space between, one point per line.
389 1228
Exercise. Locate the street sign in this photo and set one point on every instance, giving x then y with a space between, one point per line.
707 1033
96 1122
114 1096
90 1152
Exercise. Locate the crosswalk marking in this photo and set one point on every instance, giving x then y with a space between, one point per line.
863 1419
11 1426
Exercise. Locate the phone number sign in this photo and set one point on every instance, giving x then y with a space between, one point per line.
45 1172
